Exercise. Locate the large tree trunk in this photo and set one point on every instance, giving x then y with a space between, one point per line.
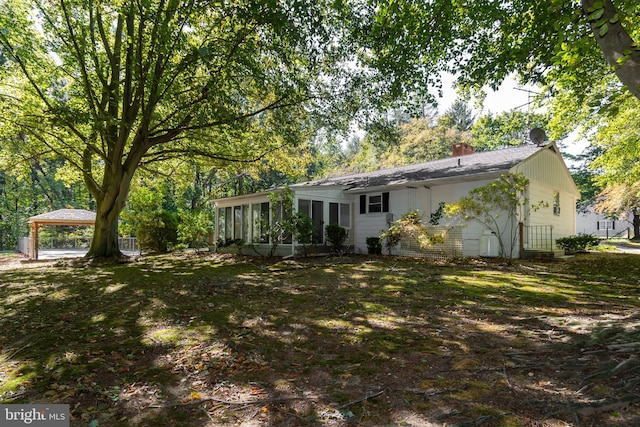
105 235
614 41
636 224
110 201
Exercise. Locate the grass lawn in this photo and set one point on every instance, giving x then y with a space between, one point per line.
208 340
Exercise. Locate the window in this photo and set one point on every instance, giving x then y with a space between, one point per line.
374 203
606 225
280 214
315 210
246 212
317 215
237 222
340 213
228 223
221 227
556 203
260 222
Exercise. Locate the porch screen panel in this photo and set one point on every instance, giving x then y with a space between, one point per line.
345 215
221 223
287 238
237 222
246 222
260 222
304 206
317 215
228 223
333 213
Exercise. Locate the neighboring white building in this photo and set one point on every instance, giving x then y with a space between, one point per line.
366 203
593 223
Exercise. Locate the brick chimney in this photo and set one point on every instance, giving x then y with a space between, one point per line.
462 149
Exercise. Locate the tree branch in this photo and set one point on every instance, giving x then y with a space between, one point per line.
619 49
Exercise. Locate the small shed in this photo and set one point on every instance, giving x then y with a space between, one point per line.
59 217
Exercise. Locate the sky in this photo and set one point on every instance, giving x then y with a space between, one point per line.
509 95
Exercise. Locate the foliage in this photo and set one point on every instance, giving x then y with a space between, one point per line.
117 85
410 226
573 244
32 186
151 216
225 243
157 231
194 228
422 142
617 140
556 43
459 115
435 217
498 205
506 129
283 220
374 245
304 230
336 237
620 200
586 178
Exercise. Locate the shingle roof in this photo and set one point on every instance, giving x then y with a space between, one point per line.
498 161
65 216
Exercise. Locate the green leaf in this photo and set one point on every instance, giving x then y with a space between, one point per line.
596 5
615 19
604 30
597 14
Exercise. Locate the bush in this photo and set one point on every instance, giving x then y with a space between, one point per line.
374 245
336 237
194 228
158 231
573 244
410 226
304 230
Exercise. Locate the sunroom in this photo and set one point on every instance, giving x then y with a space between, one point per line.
243 223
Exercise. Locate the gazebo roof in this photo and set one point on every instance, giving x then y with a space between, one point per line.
65 217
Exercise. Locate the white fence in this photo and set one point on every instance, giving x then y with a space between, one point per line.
24 244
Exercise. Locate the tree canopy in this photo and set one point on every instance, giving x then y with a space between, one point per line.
559 44
114 86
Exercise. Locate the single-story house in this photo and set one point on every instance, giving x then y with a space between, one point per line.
365 204
599 225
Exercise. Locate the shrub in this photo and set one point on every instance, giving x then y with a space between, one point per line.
194 228
158 231
410 226
374 245
336 237
580 243
304 230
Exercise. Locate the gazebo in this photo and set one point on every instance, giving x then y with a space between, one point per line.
59 217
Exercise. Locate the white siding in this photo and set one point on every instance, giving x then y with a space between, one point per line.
426 202
587 223
563 224
546 167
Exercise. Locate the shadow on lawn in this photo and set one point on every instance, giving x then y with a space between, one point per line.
212 341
